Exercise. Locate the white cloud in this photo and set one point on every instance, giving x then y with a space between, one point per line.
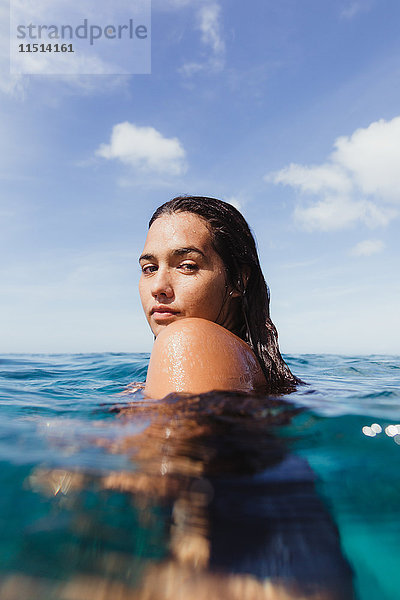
191 68
367 248
354 8
85 64
338 212
210 27
144 148
88 84
360 182
371 155
314 179
236 202
209 24
11 85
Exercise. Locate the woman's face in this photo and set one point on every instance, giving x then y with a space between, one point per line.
182 275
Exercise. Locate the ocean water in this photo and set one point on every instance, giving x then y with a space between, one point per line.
105 495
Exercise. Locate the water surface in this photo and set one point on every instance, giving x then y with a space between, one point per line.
103 493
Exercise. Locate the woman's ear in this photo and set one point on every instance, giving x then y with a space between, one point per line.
241 283
235 293
245 276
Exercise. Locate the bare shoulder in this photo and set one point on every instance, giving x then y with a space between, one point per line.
193 330
195 355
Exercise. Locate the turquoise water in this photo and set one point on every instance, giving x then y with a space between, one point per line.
87 485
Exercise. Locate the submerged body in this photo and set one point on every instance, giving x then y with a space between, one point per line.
196 355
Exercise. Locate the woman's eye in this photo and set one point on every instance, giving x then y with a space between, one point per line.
189 267
149 269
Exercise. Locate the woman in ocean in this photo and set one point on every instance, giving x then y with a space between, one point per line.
207 303
246 520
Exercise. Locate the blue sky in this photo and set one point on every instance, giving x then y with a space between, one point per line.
290 110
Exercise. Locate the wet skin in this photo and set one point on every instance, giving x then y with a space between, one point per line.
191 310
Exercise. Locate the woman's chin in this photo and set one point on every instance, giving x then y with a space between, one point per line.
160 320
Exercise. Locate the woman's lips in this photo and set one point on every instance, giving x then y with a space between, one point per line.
160 314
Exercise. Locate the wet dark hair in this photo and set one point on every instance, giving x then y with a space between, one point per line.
235 244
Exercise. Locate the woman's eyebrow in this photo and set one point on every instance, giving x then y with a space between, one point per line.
181 251
147 257
175 252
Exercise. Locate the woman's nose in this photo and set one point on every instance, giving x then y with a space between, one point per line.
161 284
